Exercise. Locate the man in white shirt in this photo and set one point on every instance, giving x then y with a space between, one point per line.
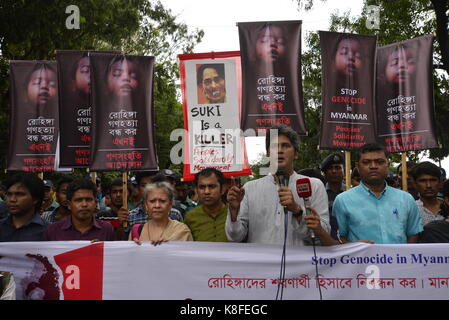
256 211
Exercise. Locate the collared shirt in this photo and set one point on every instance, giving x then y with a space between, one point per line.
387 219
30 231
427 215
206 227
140 216
64 230
261 216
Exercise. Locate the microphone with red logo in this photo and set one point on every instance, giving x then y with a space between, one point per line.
304 190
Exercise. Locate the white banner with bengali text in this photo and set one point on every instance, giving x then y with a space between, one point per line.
224 271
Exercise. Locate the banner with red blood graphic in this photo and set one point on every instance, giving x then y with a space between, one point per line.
119 270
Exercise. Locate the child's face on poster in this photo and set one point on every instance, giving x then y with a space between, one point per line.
401 65
122 78
348 59
42 86
270 44
82 76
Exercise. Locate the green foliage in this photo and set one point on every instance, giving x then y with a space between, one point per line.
34 29
399 20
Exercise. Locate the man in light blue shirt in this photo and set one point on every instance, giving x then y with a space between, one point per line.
373 212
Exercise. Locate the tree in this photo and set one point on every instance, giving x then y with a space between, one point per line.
399 20
34 29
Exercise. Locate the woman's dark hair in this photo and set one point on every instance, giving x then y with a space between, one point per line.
81 184
219 67
32 183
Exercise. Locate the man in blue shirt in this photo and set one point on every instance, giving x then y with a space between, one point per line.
374 212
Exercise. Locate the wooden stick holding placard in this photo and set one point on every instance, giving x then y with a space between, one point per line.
93 177
404 171
125 194
348 169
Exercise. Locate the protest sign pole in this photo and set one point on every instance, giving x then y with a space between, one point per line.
125 194
404 171
348 169
93 177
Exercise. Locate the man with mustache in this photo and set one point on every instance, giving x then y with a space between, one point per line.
374 212
207 221
81 224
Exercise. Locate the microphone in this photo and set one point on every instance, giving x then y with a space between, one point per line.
304 190
283 181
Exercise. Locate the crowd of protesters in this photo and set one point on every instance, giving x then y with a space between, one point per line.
162 207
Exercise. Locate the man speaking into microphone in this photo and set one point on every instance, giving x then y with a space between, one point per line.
257 211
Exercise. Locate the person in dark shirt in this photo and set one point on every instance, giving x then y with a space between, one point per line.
438 231
81 224
333 169
24 196
110 213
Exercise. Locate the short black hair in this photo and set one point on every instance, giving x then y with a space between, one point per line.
117 183
219 67
428 168
159 177
81 184
143 174
283 130
207 172
408 164
372 147
63 180
32 183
